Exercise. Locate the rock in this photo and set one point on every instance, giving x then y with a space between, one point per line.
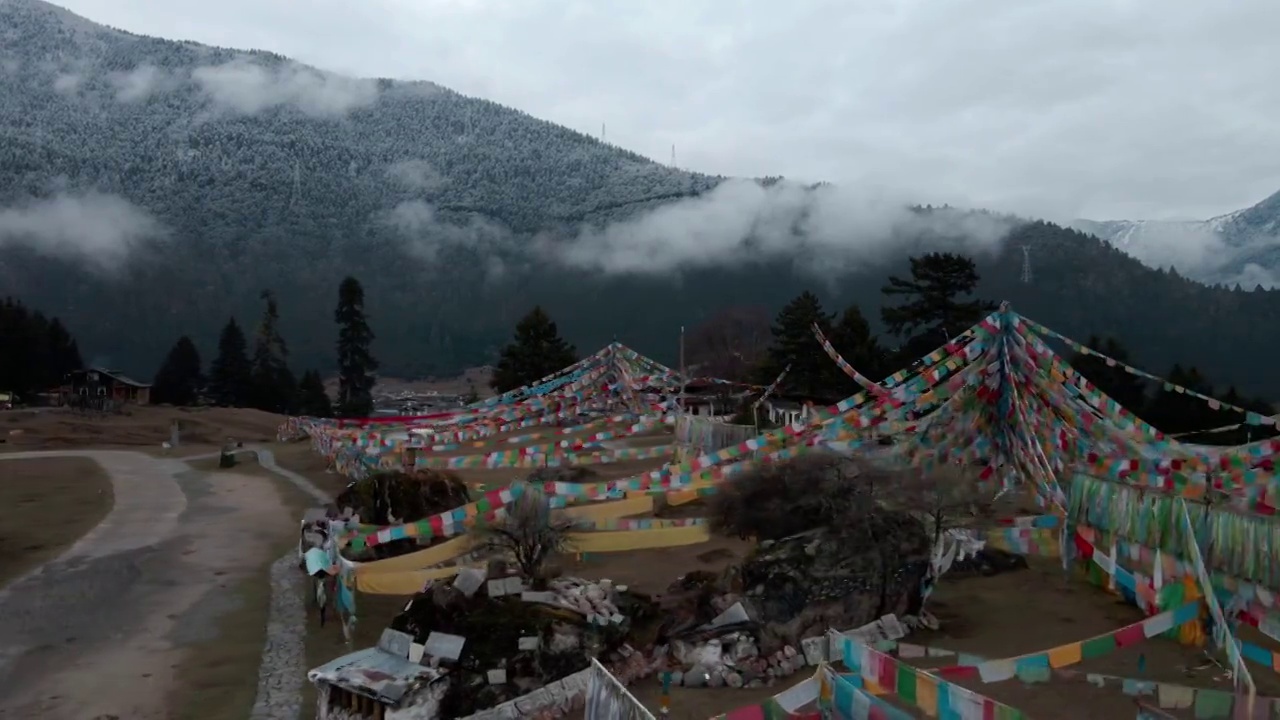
697 676
733 680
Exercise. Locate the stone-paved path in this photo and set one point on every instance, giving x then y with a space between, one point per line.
281 674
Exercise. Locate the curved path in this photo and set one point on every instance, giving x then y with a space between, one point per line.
98 631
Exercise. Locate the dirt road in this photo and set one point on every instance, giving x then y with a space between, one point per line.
99 631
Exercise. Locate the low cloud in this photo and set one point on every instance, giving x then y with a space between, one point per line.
67 83
245 87
1197 250
138 84
418 175
1191 247
100 228
826 230
427 234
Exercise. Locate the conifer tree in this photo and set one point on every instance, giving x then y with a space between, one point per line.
934 311
794 345
230 375
1175 412
1120 385
536 351
356 366
36 352
180 379
272 386
313 399
851 336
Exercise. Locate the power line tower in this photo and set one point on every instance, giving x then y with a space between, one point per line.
297 185
673 155
1026 264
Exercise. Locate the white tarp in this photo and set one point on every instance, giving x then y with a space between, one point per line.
607 699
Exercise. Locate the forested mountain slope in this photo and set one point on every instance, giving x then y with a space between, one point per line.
150 188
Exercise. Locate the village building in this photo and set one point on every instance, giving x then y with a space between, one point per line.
103 387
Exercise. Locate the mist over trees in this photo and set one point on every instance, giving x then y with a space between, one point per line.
288 200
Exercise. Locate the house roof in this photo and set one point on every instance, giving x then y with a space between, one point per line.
376 673
120 377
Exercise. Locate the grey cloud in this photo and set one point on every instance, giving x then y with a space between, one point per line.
426 233
243 86
826 230
68 83
416 175
136 85
1079 108
100 228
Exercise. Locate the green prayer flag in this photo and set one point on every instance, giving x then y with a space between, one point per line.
1097 647
907 684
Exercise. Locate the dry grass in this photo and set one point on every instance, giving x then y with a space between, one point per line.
137 428
51 503
300 458
218 679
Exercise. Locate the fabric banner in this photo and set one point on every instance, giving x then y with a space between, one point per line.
1207 703
934 696
607 699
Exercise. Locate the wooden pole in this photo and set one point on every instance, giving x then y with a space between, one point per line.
684 377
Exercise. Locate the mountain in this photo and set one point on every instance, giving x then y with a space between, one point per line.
151 188
1241 247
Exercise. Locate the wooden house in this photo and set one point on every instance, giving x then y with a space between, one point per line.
100 386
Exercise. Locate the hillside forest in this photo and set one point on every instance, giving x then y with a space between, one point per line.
434 200
935 301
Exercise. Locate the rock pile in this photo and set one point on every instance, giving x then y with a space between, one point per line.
733 660
511 641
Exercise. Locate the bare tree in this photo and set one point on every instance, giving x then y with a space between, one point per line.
395 496
784 499
528 533
945 498
730 343
831 530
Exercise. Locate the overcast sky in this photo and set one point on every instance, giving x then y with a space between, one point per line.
1060 108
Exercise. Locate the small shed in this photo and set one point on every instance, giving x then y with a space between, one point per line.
97 384
378 683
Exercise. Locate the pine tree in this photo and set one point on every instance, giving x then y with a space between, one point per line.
356 365
64 352
179 379
313 399
1124 387
795 345
36 352
851 336
1175 412
536 351
272 387
934 312
230 375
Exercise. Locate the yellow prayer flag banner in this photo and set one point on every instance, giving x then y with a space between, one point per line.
1065 655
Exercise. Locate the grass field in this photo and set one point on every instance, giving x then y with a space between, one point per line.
51 503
